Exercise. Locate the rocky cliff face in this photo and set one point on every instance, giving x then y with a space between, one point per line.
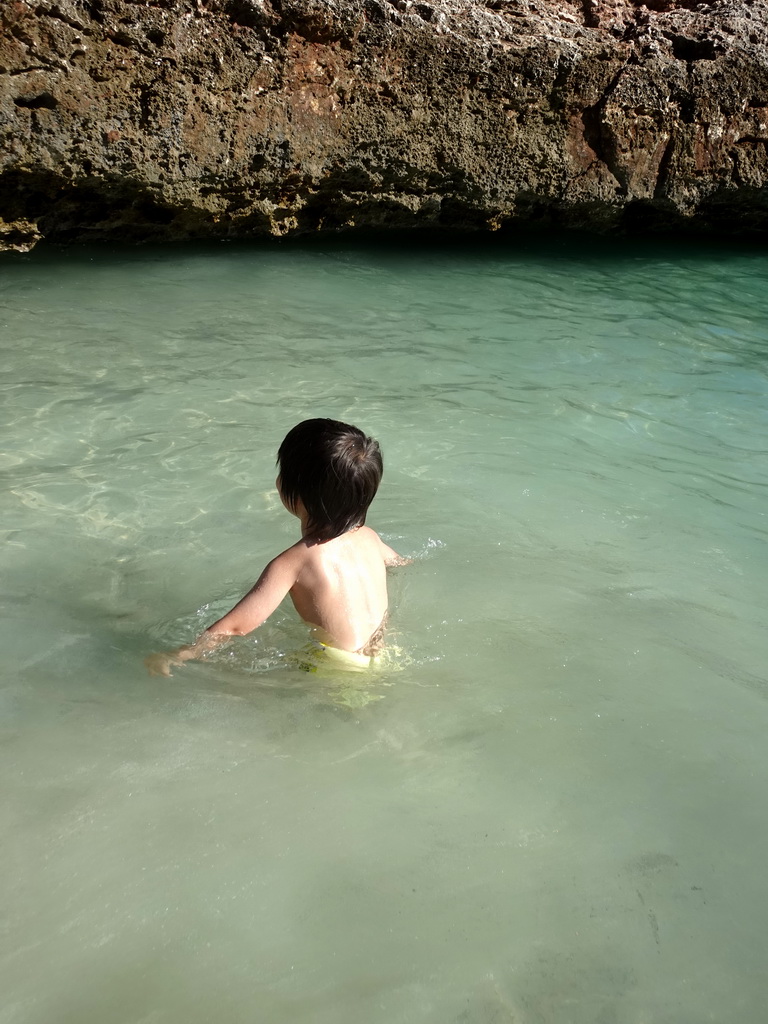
168 119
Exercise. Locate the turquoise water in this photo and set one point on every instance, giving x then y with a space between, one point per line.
552 807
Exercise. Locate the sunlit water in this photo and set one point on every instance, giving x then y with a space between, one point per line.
555 811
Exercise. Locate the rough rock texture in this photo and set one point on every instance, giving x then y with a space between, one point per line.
155 119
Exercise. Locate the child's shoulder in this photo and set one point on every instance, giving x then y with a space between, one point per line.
390 556
294 555
369 536
305 551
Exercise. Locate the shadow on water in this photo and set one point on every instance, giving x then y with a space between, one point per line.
443 246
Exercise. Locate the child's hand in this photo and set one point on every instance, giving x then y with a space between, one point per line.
160 664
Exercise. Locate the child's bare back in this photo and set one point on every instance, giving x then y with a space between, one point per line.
341 588
336 573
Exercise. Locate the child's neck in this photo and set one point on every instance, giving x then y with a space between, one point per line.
306 533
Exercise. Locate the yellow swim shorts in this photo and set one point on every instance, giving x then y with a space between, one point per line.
316 656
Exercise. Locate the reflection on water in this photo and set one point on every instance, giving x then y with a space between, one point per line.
549 807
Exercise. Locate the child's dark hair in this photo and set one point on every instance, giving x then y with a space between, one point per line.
334 469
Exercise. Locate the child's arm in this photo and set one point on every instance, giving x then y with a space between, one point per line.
253 609
391 557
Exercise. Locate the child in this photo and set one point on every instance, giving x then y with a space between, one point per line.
328 475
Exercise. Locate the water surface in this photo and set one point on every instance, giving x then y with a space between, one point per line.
551 810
